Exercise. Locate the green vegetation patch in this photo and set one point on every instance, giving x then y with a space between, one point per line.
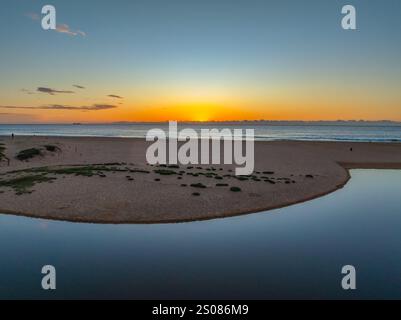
198 185
28 154
51 148
23 185
171 166
270 181
79 170
111 164
242 178
165 172
2 149
235 189
86 171
193 174
138 171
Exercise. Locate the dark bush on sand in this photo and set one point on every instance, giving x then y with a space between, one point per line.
198 185
2 149
165 172
51 148
235 189
28 154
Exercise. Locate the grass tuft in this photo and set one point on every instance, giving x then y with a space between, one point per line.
2 154
235 189
52 148
28 154
24 184
165 172
242 178
198 185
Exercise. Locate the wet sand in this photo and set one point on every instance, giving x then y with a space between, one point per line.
123 188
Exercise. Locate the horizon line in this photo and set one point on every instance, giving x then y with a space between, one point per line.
359 121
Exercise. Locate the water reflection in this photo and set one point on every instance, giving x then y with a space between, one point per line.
294 252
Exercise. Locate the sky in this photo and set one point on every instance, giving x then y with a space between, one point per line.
148 60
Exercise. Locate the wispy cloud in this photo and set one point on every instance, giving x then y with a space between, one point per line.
94 107
8 118
33 16
64 28
78 86
115 96
27 91
60 28
52 91
15 114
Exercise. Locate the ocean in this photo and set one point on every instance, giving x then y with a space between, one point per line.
336 131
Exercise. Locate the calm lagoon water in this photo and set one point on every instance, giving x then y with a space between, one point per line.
294 252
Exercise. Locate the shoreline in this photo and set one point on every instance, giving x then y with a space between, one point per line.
231 215
162 202
389 141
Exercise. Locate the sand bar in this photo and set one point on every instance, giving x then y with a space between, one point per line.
107 180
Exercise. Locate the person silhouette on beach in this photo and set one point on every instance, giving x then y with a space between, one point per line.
12 136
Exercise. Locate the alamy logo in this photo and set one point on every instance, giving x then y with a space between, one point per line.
188 153
349 280
49 280
49 20
349 20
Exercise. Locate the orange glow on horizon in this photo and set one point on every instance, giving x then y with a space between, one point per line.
278 109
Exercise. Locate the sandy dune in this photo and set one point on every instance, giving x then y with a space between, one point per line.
132 192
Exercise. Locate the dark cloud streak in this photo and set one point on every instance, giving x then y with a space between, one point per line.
115 96
52 91
95 107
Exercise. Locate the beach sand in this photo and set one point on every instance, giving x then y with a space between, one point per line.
128 190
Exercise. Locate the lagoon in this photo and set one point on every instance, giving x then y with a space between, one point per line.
292 252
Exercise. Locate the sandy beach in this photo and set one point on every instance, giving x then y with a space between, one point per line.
107 180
